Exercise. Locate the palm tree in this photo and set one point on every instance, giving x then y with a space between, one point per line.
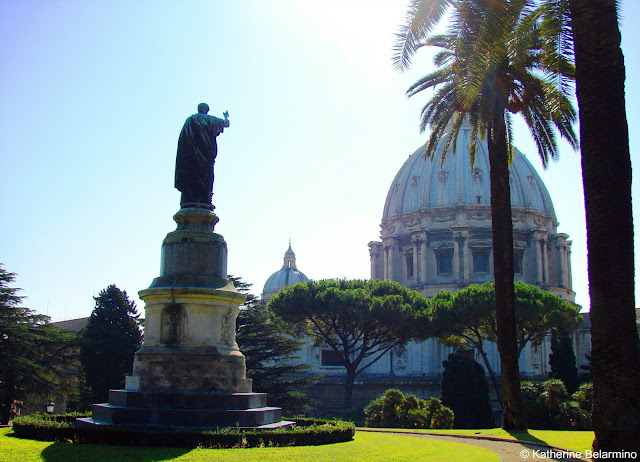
606 176
592 25
492 63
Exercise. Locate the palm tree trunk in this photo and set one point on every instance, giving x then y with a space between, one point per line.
502 229
606 176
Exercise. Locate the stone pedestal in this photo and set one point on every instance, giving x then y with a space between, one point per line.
189 371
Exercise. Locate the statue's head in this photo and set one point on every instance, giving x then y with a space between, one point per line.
203 108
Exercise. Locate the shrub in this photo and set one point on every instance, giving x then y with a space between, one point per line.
44 428
555 393
397 410
548 406
418 418
572 417
536 413
584 396
306 432
441 416
352 415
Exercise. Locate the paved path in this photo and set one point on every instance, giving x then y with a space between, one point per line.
509 451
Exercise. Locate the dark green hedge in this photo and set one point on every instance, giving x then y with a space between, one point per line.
306 432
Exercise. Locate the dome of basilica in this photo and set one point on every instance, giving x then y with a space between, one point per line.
287 275
425 184
436 224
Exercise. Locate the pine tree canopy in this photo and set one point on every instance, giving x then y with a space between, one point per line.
35 356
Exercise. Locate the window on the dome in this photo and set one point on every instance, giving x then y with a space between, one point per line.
481 261
445 263
330 358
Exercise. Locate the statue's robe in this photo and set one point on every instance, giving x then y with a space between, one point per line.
197 150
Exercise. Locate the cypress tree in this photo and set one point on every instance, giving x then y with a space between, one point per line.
563 360
464 389
109 342
268 347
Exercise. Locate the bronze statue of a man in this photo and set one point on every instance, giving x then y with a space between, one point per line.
197 150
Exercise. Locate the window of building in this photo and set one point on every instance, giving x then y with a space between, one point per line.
408 257
445 263
330 358
481 261
518 255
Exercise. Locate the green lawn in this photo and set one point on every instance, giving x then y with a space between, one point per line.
574 440
369 447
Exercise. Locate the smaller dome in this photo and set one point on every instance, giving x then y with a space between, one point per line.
288 274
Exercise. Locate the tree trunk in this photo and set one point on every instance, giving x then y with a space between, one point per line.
502 229
492 374
348 389
606 176
9 395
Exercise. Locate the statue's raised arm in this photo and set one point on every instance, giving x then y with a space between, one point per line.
197 151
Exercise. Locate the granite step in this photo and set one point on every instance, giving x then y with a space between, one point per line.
255 417
169 400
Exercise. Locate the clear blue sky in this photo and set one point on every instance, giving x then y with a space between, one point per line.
93 95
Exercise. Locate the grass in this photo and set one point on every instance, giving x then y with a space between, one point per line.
574 440
370 447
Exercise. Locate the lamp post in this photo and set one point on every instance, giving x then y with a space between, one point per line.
50 406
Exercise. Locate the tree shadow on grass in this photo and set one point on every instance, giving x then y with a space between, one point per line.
62 452
536 445
524 435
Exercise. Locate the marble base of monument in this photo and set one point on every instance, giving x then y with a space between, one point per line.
189 371
130 409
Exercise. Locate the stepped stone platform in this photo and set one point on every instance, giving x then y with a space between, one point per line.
189 372
130 409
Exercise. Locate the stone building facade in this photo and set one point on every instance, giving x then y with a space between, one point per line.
436 235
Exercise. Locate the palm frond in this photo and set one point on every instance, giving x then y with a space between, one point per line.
563 114
542 133
498 57
440 40
454 129
439 129
443 58
473 136
556 37
457 125
434 79
439 106
420 19
509 136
